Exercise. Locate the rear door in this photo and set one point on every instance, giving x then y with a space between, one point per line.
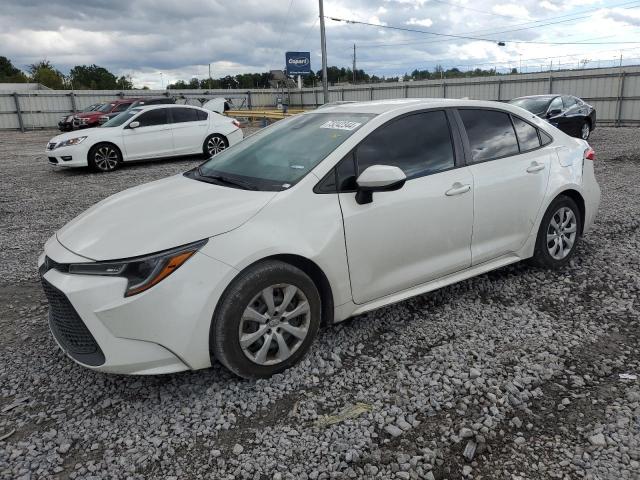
189 130
510 176
152 139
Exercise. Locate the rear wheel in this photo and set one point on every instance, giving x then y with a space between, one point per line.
266 320
214 144
558 234
104 157
585 131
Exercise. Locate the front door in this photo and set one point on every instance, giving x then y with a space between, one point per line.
151 139
510 175
418 233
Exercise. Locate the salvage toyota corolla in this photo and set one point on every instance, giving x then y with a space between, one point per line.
320 217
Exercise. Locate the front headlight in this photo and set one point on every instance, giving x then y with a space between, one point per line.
144 272
71 141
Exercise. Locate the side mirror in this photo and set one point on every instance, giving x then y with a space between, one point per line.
378 178
134 124
554 112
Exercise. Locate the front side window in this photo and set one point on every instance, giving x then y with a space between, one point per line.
121 118
527 135
490 133
106 108
568 101
181 115
419 144
278 156
153 117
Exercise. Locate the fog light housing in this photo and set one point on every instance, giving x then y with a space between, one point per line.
66 158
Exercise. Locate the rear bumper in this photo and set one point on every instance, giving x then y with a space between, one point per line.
591 195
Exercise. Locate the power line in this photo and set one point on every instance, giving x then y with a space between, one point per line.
493 32
469 37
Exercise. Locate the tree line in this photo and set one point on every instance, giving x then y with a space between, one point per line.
94 77
80 77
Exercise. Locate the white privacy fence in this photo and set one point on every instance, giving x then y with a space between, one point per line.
614 92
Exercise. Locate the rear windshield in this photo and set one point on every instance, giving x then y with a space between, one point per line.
534 105
278 156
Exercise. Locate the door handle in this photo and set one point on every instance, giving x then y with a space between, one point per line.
535 167
457 189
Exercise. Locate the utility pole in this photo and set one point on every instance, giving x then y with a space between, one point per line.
354 63
210 81
323 46
621 59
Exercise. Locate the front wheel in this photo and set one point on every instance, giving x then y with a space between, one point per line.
104 157
214 144
266 320
558 234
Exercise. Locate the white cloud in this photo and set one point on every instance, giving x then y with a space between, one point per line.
423 22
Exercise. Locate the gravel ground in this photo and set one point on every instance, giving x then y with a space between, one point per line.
511 375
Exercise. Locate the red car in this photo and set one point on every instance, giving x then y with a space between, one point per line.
92 119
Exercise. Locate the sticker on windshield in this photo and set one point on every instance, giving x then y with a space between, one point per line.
340 125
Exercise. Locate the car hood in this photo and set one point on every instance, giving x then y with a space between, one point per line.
89 114
157 216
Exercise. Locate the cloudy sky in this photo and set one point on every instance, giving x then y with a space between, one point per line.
160 41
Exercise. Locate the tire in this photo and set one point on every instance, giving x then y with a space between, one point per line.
104 157
214 144
243 313
585 131
559 230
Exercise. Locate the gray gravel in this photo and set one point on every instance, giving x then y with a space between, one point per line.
511 375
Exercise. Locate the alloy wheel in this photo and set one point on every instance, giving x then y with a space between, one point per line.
584 133
561 233
274 324
106 158
215 145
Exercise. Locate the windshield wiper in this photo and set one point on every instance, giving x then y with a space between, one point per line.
228 180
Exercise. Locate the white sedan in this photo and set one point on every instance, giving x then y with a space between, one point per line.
151 132
320 217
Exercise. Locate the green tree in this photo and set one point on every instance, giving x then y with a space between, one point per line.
44 72
9 73
92 77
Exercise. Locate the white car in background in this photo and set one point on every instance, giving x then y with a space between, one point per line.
319 217
149 132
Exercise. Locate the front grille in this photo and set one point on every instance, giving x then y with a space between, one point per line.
69 329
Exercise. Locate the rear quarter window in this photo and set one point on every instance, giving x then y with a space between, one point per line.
491 134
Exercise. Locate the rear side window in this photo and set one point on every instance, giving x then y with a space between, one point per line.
202 115
490 133
419 144
153 117
527 135
181 115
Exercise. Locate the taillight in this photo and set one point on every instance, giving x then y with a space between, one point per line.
590 154
236 123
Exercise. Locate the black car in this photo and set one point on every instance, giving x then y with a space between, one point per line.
139 103
66 123
568 113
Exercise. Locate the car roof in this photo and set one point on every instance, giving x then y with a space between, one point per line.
168 105
547 95
383 106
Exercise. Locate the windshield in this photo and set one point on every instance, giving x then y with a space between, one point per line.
278 156
106 107
534 105
121 118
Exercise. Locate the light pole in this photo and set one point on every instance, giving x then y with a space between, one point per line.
323 46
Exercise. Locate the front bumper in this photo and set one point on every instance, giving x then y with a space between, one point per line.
162 330
73 156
